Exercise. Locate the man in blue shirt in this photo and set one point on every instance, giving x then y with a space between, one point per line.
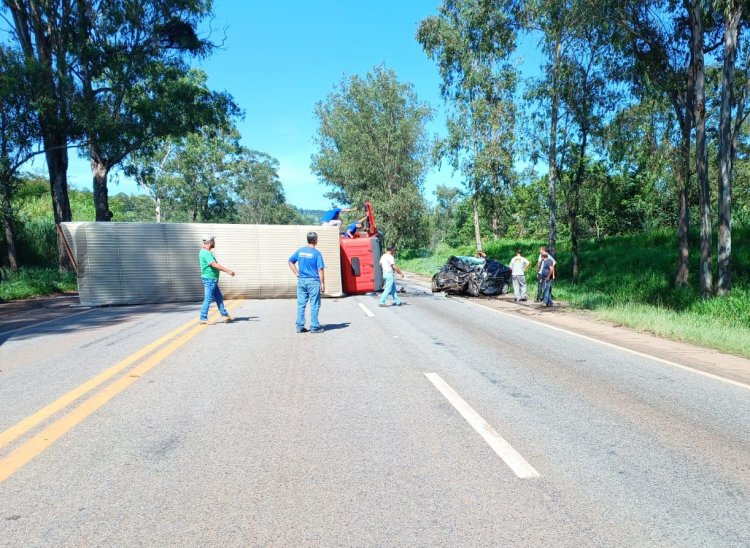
307 264
331 217
352 231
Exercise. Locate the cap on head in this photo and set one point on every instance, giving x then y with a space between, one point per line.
312 237
208 238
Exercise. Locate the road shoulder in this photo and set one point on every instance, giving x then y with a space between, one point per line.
583 323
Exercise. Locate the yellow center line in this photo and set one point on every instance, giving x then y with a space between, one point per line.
19 429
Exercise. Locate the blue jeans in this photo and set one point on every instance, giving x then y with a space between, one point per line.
211 292
308 289
389 288
547 297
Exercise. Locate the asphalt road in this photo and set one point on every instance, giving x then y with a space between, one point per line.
438 423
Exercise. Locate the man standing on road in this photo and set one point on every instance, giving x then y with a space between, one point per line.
388 264
548 275
210 276
519 265
539 279
307 264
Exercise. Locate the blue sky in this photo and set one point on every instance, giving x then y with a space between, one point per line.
278 59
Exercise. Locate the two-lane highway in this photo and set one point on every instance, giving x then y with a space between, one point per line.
438 423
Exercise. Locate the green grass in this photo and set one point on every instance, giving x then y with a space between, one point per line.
630 280
34 282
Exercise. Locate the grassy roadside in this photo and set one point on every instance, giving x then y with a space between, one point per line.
34 282
629 280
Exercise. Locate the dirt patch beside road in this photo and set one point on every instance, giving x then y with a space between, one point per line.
24 313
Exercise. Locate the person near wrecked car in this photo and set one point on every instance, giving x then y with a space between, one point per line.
388 264
308 265
518 266
548 276
210 276
539 279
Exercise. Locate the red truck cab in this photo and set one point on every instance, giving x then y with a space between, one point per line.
360 258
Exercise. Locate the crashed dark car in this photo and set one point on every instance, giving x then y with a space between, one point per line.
473 276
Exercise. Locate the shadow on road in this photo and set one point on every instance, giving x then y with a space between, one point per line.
332 326
72 319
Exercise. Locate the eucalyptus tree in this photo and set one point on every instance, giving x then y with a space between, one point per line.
260 194
554 21
372 146
45 32
198 177
136 82
697 15
147 167
732 115
588 98
472 42
654 39
18 133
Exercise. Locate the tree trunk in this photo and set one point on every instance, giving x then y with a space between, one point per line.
552 176
684 113
724 281
495 226
574 206
701 159
477 234
683 243
100 171
57 166
10 235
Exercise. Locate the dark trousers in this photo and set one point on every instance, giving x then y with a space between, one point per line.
539 287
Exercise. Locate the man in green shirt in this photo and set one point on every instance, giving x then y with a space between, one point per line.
210 276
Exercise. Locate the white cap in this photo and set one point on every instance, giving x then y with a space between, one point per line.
208 237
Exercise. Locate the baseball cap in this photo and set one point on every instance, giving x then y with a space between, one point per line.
208 237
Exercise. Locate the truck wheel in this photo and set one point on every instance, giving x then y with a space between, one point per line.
435 288
505 288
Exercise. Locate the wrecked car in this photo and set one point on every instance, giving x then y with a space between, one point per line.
472 275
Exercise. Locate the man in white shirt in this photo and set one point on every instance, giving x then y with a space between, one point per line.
539 265
518 265
388 264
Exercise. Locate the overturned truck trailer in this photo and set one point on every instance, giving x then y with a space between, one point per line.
138 263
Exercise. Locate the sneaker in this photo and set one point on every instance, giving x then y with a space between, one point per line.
397 304
228 319
383 305
317 330
203 322
303 330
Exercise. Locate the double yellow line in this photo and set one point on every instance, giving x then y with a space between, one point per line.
41 441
